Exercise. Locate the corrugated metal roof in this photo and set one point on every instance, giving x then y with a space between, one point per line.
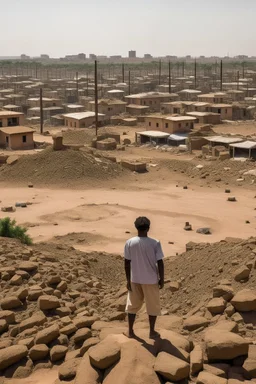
81 115
221 139
246 145
178 137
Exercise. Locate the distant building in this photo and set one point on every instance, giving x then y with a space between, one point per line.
109 107
170 124
11 118
132 54
148 56
45 57
81 119
81 56
16 138
115 57
24 57
92 56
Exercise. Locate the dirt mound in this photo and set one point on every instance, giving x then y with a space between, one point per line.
83 136
223 172
199 269
67 168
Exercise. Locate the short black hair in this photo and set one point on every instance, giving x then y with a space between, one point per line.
142 223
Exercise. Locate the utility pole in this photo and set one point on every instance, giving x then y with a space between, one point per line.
87 82
160 71
170 78
238 77
41 112
77 91
96 96
195 73
221 74
183 69
129 81
123 72
243 69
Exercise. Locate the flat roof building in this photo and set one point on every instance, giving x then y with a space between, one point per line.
16 138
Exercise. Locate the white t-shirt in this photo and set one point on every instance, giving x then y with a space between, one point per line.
144 254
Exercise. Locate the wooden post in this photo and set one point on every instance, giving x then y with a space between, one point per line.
123 72
160 71
170 78
41 112
129 88
221 74
77 91
195 73
96 96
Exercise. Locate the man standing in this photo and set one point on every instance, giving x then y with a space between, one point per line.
144 270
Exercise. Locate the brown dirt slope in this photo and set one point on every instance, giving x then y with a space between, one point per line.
61 168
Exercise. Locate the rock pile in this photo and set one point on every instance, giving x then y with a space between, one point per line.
68 309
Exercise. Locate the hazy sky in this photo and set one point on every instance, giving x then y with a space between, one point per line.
109 27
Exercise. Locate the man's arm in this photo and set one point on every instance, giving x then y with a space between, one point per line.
160 265
127 267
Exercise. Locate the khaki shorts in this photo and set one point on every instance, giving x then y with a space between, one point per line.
141 292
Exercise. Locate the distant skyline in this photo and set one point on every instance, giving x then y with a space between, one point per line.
163 27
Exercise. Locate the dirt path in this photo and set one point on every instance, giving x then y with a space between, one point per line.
106 215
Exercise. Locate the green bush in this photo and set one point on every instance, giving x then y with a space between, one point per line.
8 228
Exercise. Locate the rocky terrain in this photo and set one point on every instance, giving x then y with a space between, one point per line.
60 306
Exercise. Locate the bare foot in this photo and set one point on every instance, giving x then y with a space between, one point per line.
154 335
130 335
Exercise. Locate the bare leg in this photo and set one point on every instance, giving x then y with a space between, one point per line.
131 320
152 322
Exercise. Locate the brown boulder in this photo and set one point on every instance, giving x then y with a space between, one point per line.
46 302
10 302
3 326
171 368
194 322
28 266
38 352
222 345
58 352
16 280
81 335
216 306
105 354
196 360
135 366
47 335
242 273
12 355
86 374
244 301
9 316
224 291
209 378
85 321
91 342
34 321
67 370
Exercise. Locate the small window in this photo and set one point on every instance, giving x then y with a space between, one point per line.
166 125
179 125
186 124
157 125
24 139
7 139
109 109
226 111
149 123
1 123
219 110
75 125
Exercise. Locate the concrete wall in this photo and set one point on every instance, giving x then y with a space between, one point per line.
16 141
164 125
4 120
226 113
109 109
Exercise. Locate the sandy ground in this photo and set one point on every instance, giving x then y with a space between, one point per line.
109 214
42 376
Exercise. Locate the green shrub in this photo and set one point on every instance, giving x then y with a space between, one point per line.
8 228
